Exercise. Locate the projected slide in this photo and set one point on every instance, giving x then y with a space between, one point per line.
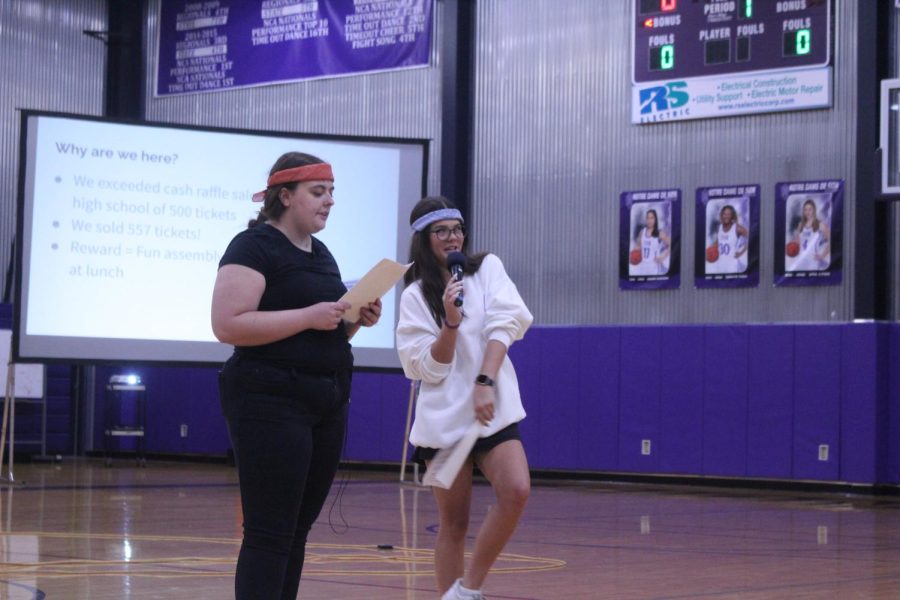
122 227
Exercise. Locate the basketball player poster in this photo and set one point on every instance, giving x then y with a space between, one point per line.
808 232
726 248
650 239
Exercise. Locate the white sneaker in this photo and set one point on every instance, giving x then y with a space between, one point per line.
457 592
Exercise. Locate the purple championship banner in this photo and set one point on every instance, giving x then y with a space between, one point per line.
650 240
727 237
218 45
808 232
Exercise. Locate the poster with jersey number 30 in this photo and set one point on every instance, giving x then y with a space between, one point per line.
726 252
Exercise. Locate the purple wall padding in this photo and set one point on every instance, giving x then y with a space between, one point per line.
597 417
863 356
364 432
817 400
725 401
891 415
681 421
395 399
770 401
526 358
715 400
559 391
378 407
174 396
639 393
206 426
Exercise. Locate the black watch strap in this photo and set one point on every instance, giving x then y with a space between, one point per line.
484 380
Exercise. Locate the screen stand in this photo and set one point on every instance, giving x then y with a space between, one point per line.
9 425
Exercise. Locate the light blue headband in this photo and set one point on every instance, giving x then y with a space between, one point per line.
436 215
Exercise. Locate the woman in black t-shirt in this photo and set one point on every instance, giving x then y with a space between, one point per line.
285 390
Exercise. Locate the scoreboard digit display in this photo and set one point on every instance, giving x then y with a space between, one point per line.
681 39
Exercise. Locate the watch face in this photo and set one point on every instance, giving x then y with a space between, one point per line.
484 380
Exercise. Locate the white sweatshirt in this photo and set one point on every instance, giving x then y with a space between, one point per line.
493 310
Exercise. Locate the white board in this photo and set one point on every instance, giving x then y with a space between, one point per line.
29 378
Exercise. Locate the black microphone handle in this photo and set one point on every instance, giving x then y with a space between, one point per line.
457 272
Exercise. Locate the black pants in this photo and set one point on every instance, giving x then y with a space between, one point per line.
287 431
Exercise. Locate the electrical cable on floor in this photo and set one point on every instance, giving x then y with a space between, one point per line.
343 481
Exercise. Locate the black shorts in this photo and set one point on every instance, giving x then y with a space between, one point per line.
482 445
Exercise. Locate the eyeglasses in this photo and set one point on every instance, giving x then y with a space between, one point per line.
444 233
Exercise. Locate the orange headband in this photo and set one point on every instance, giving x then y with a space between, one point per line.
316 172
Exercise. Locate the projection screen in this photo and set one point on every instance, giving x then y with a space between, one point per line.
121 226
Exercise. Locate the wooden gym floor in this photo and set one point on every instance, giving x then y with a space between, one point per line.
79 530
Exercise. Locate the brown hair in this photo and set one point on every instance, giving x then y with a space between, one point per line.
272 207
425 265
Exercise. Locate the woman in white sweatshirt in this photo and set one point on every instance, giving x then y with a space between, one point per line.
459 354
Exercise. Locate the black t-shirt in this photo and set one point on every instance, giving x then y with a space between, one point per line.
294 279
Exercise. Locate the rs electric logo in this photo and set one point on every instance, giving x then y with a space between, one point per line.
663 102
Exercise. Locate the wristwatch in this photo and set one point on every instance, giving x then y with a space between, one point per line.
484 380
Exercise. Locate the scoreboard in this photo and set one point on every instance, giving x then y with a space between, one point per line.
681 39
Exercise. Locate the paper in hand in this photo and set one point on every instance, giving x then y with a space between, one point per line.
447 462
374 284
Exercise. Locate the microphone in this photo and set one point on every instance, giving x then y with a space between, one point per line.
456 261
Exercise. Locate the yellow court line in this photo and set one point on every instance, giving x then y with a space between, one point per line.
351 555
